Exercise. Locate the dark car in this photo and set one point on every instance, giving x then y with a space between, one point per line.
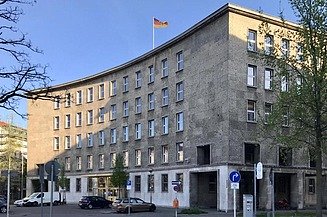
3 206
135 204
91 202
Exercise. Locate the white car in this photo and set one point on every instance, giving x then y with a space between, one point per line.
20 202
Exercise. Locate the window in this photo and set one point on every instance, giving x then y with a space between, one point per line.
165 97
125 84
125 109
101 161
89 184
164 182
101 115
203 154
311 186
252 76
179 91
269 73
252 40
312 158
179 121
179 152
67 142
151 128
56 123
180 60
125 158
112 160
138 79
269 45
101 137
78 185
78 162
138 131
125 133
151 183
180 178
165 127
90 94
79 141
90 117
251 111
67 163
252 153
101 91
137 157
67 121
137 181
56 143
268 110
79 97
113 112
138 105
151 155
151 74
68 100
164 153
164 68
56 103
113 136
78 119
89 162
113 88
284 84
285 117
89 137
150 101
285 47
285 156
299 52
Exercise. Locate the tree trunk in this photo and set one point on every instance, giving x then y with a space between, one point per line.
319 189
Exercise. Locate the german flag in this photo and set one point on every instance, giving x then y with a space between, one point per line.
159 24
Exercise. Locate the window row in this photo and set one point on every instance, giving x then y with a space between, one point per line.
110 160
125 108
269 45
151 183
100 136
113 85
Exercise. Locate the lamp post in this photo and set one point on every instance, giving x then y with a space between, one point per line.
151 184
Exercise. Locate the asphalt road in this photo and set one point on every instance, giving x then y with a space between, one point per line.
72 210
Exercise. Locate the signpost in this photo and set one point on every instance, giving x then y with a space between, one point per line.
177 187
258 174
128 188
235 178
53 169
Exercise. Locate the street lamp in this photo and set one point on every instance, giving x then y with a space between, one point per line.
151 184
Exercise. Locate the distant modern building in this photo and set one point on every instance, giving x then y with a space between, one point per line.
185 111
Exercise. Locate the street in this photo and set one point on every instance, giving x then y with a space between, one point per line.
72 210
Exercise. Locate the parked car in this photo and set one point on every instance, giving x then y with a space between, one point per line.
3 206
35 199
91 202
135 204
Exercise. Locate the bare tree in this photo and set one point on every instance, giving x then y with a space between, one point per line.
19 77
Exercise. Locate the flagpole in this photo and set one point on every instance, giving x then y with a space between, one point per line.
152 32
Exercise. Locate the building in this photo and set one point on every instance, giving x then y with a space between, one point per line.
185 111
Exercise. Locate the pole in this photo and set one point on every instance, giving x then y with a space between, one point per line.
234 193
51 192
22 180
8 186
129 201
273 192
152 32
255 190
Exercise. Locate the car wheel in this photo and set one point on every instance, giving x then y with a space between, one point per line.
55 203
152 208
126 210
35 203
3 209
90 206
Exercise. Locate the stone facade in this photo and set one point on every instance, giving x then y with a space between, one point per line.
215 135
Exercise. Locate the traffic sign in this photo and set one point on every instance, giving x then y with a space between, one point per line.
235 176
176 188
175 182
259 171
235 185
129 185
55 165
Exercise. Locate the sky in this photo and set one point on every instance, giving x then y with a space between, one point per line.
80 38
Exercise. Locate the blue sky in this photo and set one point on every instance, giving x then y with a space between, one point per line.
82 37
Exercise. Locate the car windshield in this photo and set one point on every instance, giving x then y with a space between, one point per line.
33 195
